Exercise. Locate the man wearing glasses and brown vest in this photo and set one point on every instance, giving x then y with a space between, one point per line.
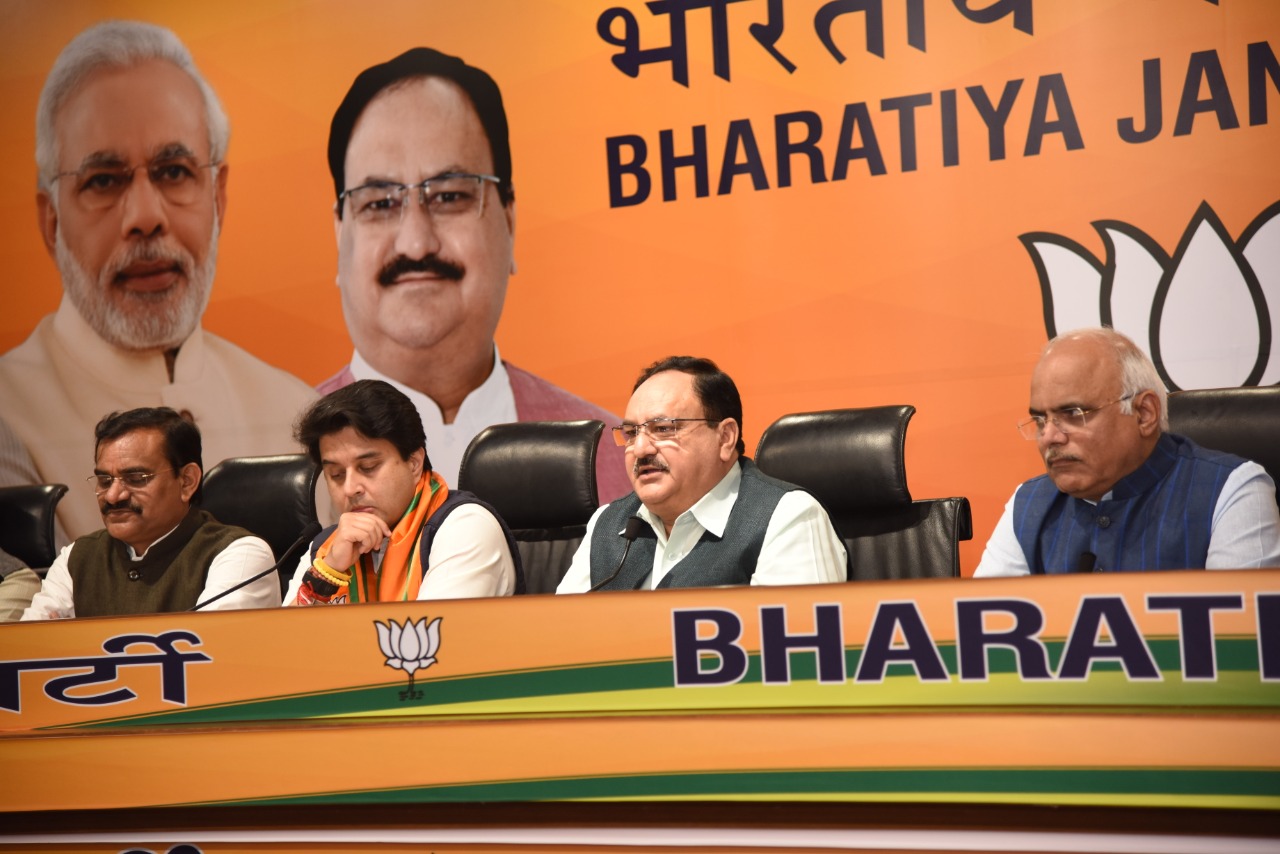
1121 494
158 552
702 514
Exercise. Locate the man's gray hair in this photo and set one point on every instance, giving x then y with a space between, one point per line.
117 44
1137 372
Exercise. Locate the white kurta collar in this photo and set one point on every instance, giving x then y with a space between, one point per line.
492 403
131 370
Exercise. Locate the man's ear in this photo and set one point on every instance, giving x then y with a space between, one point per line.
220 194
1146 406
728 436
510 211
189 476
415 461
47 219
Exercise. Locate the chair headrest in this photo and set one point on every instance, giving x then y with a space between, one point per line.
27 522
1241 421
272 496
269 477
849 459
536 474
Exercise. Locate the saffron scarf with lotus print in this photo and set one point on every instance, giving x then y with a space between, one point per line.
398 580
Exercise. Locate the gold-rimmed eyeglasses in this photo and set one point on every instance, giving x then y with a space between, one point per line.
1066 420
133 480
658 429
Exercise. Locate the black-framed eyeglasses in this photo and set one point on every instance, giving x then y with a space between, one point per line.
131 479
180 180
453 195
1066 420
659 429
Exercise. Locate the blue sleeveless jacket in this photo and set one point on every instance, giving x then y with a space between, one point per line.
1158 517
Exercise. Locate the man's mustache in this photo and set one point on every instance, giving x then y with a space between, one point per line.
1055 456
147 252
650 461
119 505
431 264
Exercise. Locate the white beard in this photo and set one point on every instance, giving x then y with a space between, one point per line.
140 321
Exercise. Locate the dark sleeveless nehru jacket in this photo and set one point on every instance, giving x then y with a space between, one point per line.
1158 517
712 561
169 578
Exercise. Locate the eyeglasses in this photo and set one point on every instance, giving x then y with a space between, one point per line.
659 429
1065 420
180 180
133 480
454 195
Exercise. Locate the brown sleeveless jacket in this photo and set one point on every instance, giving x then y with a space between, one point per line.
106 582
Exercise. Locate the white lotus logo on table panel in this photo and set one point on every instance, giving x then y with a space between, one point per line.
409 647
1209 316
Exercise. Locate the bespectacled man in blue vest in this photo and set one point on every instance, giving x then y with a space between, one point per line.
1121 494
701 513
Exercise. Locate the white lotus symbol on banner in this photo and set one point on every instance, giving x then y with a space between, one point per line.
1209 316
409 647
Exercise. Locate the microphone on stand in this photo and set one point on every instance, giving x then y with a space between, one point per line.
634 526
1086 562
308 534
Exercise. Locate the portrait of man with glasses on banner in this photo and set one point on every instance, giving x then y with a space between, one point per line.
131 148
425 220
158 551
1120 493
701 513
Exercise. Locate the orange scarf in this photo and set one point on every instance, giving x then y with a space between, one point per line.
398 580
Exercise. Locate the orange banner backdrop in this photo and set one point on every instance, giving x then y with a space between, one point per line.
846 230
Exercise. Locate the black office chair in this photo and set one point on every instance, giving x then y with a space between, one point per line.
1240 421
852 461
273 497
27 522
541 478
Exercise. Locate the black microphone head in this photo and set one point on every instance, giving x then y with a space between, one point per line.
1087 562
634 526
310 530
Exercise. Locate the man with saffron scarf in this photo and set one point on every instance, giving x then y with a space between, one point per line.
403 534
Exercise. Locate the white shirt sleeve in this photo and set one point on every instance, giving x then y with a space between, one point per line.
54 601
800 545
243 559
1003 555
304 563
1246 522
577 579
469 558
